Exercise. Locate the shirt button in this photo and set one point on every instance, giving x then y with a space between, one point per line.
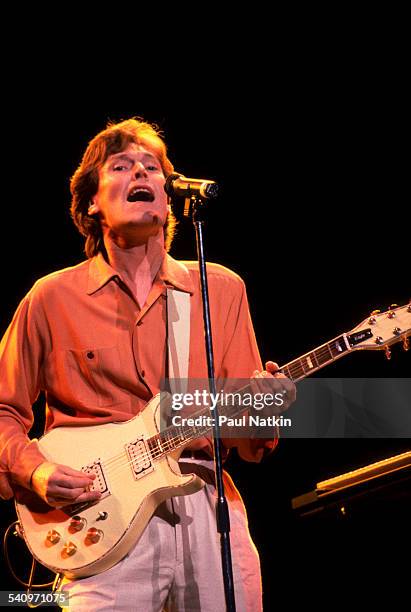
90 355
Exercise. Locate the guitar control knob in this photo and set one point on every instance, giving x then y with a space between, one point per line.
391 314
379 340
69 549
396 331
53 537
94 535
76 524
102 516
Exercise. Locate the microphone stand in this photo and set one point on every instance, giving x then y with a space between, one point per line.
196 206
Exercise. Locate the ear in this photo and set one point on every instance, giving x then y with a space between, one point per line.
93 208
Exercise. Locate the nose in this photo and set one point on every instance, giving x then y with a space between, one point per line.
140 170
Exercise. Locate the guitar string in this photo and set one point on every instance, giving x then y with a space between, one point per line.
293 367
115 458
146 456
121 460
170 442
144 461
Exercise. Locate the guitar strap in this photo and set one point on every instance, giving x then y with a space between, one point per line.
178 339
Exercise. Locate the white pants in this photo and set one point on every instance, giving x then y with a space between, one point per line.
176 564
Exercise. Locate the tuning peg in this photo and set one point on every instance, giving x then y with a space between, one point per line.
391 313
373 318
387 352
405 343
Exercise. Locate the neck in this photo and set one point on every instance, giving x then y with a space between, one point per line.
138 264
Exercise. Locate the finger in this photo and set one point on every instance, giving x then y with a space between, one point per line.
64 493
272 367
70 482
89 496
65 497
76 473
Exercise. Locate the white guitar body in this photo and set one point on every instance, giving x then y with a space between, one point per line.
128 501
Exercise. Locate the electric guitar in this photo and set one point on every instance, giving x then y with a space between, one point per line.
138 468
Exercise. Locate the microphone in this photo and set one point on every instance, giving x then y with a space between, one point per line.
179 185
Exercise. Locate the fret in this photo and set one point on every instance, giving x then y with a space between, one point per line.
297 370
314 359
154 445
327 348
322 356
310 361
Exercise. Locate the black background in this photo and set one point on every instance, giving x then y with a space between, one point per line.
313 163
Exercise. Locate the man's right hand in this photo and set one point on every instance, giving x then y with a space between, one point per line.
59 485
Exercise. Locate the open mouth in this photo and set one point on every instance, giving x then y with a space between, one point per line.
140 194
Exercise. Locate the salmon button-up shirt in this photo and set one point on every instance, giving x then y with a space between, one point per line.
80 336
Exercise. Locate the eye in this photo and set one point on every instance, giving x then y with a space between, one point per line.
152 167
119 167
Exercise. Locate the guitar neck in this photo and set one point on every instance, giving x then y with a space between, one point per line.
317 359
178 436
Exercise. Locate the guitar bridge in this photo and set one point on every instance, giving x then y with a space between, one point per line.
139 457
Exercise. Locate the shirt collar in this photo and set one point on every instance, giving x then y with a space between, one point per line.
171 272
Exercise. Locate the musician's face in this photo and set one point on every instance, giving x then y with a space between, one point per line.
131 199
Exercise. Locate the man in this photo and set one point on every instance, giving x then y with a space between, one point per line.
93 337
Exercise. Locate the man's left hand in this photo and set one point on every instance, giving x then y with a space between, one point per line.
272 381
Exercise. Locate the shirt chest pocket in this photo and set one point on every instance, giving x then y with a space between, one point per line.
96 376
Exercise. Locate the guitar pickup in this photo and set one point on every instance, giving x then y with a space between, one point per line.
139 457
99 484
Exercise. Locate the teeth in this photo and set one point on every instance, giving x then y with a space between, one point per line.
137 189
140 193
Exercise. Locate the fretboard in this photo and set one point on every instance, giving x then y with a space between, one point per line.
315 360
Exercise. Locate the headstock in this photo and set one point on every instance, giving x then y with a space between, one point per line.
381 329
